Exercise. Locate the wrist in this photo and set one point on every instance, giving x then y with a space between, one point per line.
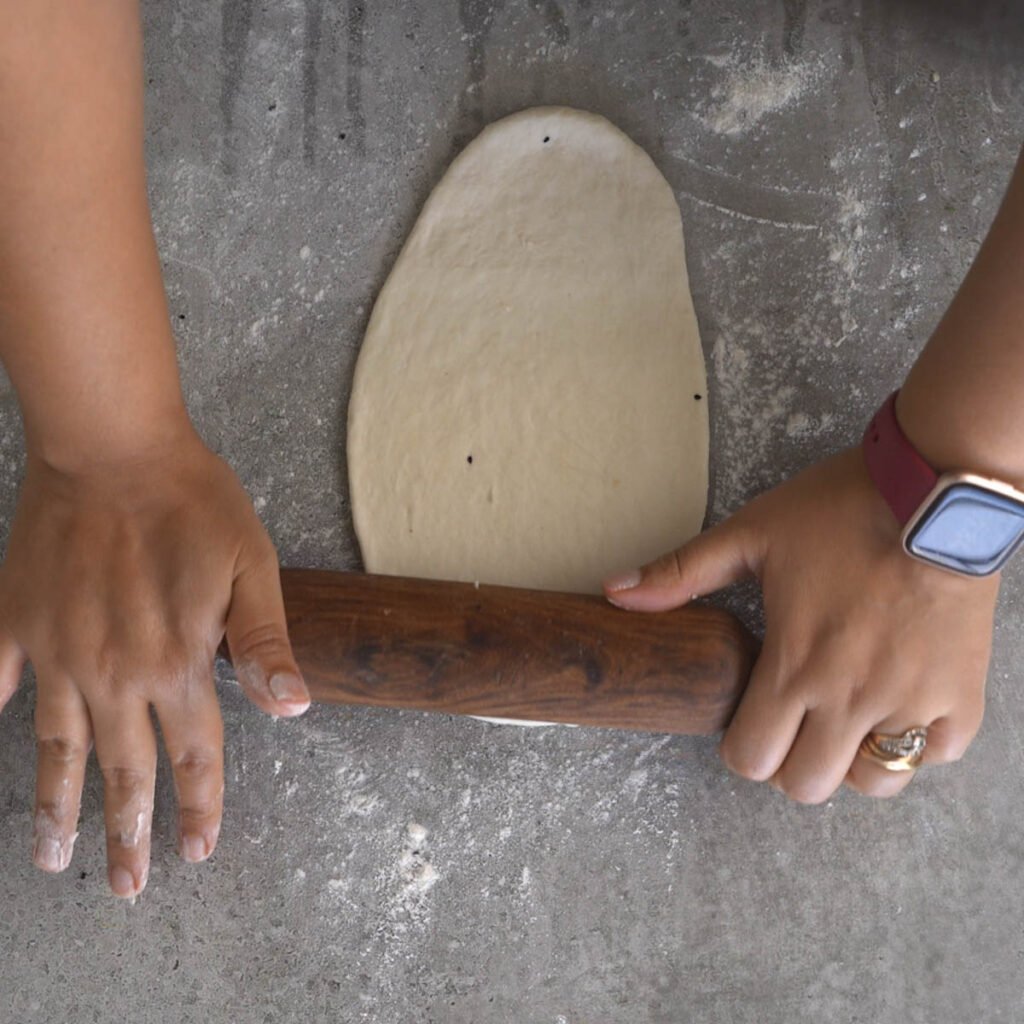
102 391
111 441
961 522
963 429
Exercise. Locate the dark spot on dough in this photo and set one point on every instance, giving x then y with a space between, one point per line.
547 138
469 459
698 397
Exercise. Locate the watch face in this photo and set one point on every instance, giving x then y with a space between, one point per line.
968 529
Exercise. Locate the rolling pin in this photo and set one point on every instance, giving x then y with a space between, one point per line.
469 649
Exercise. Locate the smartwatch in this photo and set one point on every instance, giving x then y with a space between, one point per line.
961 522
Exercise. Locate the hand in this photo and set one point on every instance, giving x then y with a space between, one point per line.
119 583
859 636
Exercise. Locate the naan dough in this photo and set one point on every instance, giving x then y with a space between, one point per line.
529 406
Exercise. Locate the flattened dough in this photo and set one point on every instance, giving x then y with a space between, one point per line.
525 408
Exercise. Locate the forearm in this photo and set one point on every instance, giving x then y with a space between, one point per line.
963 402
84 331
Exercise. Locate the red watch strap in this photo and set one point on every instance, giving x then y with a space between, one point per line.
894 464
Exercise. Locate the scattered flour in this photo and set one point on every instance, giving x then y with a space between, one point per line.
844 249
418 875
801 424
524 881
754 396
752 90
468 845
848 248
362 805
635 782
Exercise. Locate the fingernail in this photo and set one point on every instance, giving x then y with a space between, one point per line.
122 882
288 689
48 854
623 580
193 849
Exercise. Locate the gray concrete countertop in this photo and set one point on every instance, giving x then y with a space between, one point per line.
837 165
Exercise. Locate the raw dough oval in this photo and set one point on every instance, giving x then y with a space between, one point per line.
525 407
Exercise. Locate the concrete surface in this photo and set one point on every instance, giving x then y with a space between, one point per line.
837 165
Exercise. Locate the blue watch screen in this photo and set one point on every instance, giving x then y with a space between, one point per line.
969 529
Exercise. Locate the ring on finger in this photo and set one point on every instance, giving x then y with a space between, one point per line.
896 753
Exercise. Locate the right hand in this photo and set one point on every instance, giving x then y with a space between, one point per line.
859 636
120 581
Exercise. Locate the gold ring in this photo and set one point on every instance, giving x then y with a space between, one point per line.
901 753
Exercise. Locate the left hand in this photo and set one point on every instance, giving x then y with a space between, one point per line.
859 636
120 579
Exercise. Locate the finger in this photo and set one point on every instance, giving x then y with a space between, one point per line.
126 749
948 740
821 755
950 736
767 720
12 661
870 779
194 736
867 777
712 560
63 735
257 637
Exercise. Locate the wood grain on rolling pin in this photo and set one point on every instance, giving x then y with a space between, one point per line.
511 653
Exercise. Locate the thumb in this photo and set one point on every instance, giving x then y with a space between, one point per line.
722 555
257 637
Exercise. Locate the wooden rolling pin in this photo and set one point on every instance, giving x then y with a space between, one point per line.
503 652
